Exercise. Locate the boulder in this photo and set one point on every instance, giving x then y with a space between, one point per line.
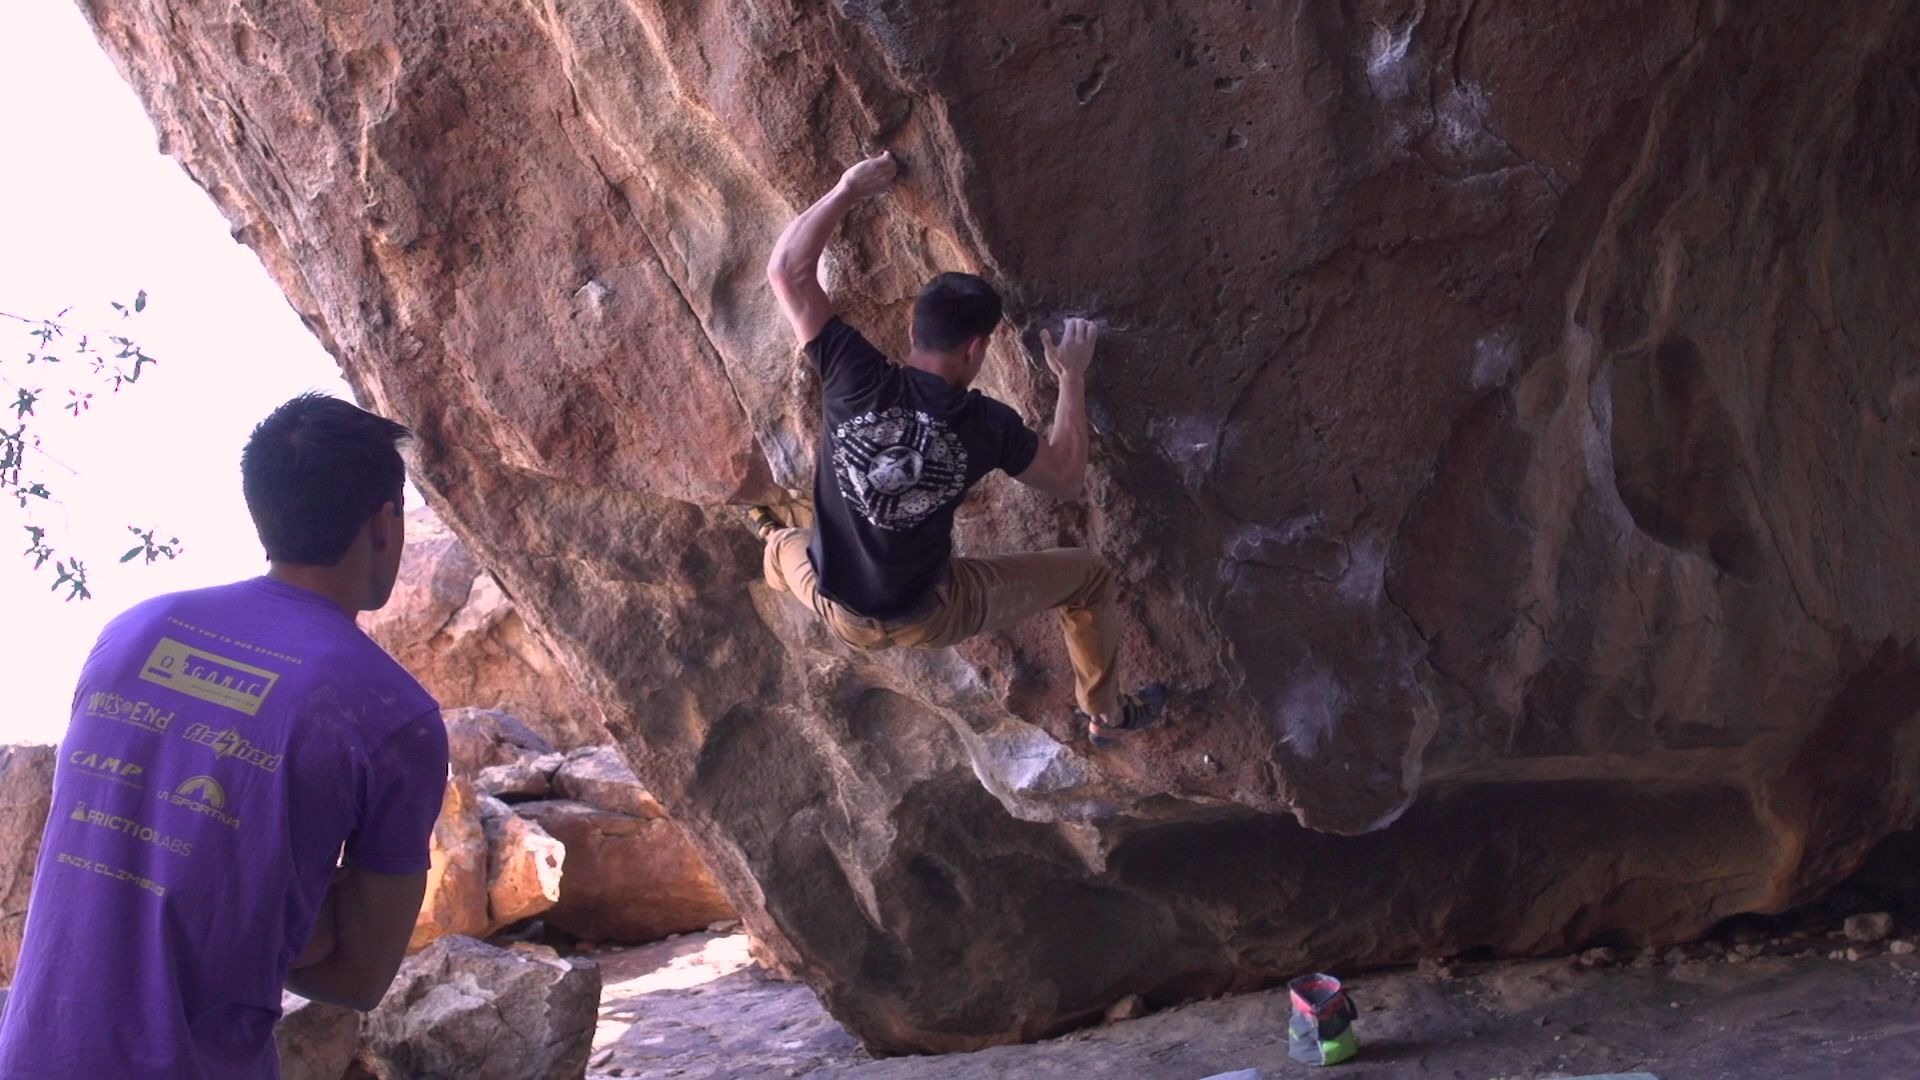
451 625
628 879
524 866
26 791
1868 927
466 1010
599 776
1503 440
315 1041
480 739
457 880
521 778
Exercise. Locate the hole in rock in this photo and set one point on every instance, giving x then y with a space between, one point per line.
1089 88
1886 884
1679 463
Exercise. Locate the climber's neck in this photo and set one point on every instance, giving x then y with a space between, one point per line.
958 367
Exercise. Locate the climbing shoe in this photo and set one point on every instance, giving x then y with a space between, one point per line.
1138 710
763 522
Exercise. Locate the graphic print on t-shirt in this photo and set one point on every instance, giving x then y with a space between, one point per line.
896 467
204 674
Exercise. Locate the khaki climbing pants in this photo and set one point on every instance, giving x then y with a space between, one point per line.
981 596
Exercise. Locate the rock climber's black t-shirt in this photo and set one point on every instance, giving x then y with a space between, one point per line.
898 451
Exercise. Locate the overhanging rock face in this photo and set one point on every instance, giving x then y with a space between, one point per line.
1506 434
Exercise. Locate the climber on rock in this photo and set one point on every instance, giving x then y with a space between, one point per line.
900 445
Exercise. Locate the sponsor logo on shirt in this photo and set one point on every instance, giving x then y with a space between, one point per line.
204 796
119 770
141 714
897 467
231 744
208 676
146 834
84 863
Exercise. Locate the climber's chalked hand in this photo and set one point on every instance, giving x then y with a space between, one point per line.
874 176
1073 351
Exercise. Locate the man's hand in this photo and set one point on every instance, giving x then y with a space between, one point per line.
1069 356
874 176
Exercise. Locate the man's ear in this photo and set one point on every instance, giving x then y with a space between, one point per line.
977 349
385 524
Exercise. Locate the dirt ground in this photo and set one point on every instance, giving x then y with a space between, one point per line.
1782 999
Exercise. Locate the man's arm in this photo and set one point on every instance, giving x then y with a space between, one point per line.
794 268
368 918
320 942
375 894
1059 469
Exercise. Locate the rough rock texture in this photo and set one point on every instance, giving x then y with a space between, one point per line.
451 625
523 778
457 881
480 739
524 866
598 775
491 868
465 1009
26 791
1505 435
629 879
316 1041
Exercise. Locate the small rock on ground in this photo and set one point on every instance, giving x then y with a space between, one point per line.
1869 928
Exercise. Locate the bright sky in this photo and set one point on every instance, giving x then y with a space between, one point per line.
91 212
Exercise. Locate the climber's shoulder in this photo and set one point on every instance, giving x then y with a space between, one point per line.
839 348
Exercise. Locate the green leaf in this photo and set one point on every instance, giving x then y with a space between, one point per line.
140 301
133 554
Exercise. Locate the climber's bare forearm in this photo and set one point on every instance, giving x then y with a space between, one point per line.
1068 437
1059 468
794 267
796 255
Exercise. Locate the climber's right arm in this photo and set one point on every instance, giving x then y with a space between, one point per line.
794 267
1059 468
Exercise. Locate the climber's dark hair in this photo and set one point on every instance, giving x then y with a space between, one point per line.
954 309
314 471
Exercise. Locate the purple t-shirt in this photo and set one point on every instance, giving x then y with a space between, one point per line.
225 744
